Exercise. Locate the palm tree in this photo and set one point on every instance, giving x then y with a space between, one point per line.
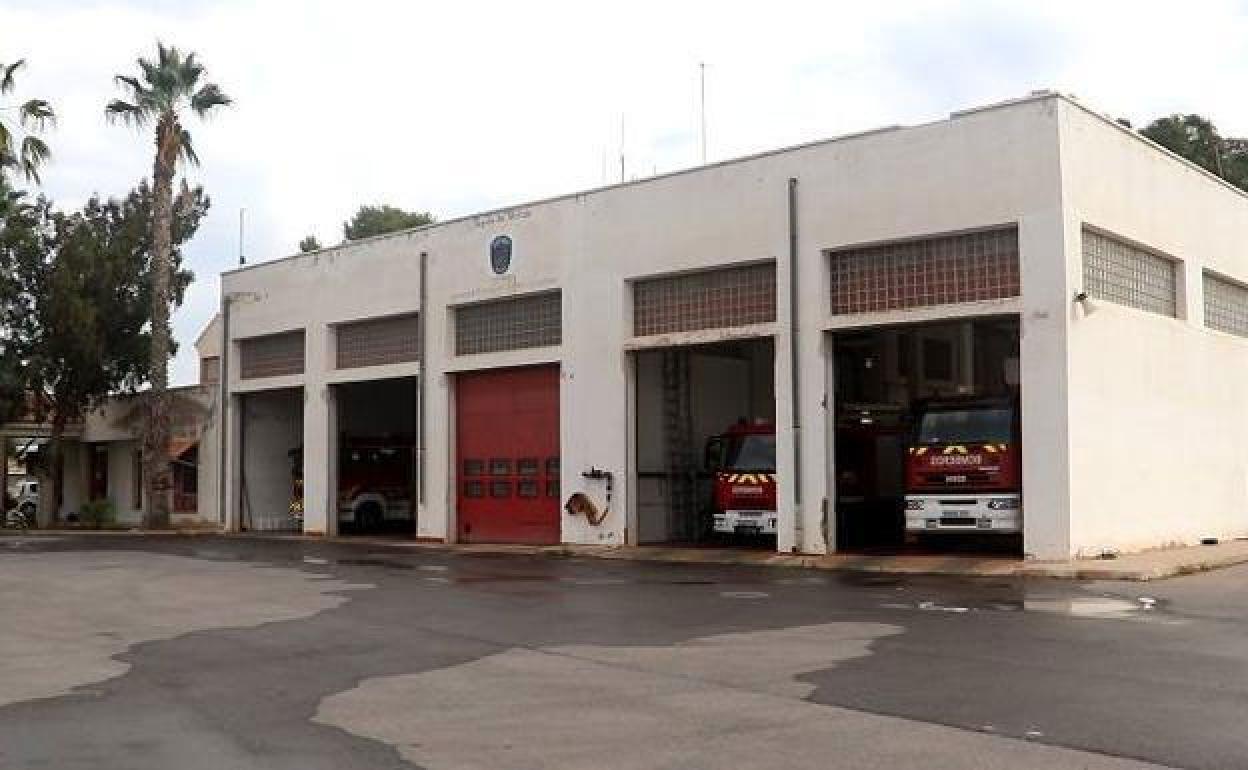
34 115
165 88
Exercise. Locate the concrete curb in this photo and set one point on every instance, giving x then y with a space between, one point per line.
1139 567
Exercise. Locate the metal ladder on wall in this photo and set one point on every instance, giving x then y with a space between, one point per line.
682 482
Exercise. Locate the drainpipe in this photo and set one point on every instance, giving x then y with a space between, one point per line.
223 411
795 371
420 386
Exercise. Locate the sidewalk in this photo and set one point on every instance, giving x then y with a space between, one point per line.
1147 565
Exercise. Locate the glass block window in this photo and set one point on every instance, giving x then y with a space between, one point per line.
531 321
971 267
1226 305
273 355
1124 274
209 370
379 341
734 296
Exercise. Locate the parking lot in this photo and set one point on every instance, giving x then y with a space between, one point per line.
213 652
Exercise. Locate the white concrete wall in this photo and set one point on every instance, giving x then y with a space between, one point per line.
1158 406
989 167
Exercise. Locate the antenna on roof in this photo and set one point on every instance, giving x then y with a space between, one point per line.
242 260
702 96
621 147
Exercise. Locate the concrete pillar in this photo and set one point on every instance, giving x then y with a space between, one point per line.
1049 272
316 455
232 467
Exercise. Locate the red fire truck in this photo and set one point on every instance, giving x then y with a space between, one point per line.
964 468
374 483
743 461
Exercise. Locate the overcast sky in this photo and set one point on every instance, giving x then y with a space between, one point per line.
461 106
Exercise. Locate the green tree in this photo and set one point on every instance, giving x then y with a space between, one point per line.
379 220
309 244
1196 138
83 328
165 89
21 149
20 237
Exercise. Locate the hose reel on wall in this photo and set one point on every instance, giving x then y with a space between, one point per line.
580 503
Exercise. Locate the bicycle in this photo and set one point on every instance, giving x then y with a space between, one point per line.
17 519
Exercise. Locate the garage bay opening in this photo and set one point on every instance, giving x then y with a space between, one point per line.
928 446
706 444
376 471
271 448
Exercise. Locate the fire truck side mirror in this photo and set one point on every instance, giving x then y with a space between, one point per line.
713 458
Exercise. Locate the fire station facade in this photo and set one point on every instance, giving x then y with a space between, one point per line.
591 344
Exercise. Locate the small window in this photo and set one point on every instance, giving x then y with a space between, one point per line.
527 466
474 489
1119 272
552 466
500 466
552 489
474 467
526 489
500 489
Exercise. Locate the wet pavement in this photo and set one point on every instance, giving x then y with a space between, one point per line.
211 652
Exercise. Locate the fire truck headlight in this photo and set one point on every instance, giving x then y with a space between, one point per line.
1003 505
914 505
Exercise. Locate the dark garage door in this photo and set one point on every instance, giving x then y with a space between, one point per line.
507 422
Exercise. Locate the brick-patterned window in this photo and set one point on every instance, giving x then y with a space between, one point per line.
273 355
944 270
1226 305
1125 274
530 321
379 341
209 370
714 299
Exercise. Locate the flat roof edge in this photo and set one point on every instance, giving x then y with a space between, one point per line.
1033 97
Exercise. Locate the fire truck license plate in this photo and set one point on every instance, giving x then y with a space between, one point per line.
749 529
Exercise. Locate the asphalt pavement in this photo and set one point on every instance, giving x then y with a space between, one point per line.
231 652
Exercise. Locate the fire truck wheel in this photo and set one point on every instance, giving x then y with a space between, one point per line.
368 516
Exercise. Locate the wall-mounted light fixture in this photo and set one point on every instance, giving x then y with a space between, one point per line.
1085 302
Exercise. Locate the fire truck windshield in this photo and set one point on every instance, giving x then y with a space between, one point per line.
964 426
752 452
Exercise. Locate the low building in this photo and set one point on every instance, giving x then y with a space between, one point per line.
101 459
1032 251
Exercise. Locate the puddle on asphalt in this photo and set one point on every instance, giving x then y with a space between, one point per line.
1094 607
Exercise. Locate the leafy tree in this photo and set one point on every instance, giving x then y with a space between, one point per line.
309 244
20 236
166 88
23 153
1197 139
83 327
379 220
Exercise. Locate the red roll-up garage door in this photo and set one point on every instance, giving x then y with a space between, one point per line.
507 424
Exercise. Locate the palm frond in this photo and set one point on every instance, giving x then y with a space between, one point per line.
6 75
37 114
34 154
132 83
6 138
130 114
185 149
208 97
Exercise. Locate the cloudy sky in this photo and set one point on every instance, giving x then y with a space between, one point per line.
460 106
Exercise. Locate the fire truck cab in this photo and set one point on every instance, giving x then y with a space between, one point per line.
963 468
742 461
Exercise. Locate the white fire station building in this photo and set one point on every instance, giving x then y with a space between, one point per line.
459 382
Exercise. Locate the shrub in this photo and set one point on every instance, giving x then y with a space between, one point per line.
98 514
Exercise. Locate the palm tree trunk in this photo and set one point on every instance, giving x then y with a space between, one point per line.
56 461
156 469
